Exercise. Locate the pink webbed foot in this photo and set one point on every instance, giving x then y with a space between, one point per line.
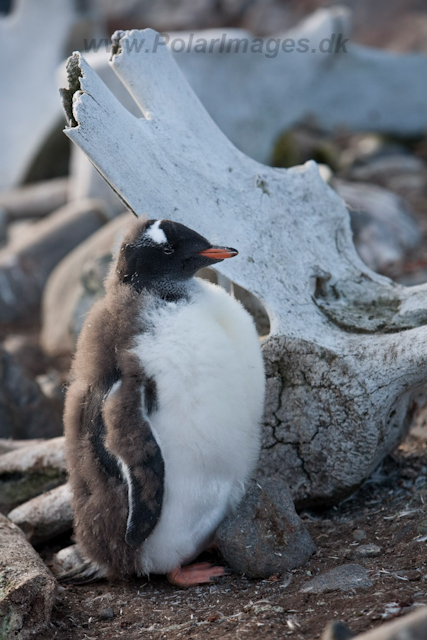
195 574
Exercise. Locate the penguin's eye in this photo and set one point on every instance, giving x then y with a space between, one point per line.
168 250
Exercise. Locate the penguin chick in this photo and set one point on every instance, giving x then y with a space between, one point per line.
162 416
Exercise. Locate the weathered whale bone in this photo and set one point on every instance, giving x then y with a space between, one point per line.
346 352
28 471
32 44
28 588
44 516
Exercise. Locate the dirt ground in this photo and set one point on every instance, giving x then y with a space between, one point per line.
389 510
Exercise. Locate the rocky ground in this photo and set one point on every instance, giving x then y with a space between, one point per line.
376 539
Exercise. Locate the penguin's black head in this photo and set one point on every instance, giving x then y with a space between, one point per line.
160 253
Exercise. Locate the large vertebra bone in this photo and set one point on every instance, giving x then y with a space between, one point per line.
346 352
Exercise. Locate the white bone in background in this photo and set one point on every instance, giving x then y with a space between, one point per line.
35 200
32 43
34 457
8 444
254 98
345 356
45 516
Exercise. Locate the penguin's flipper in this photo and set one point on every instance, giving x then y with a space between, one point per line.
142 480
130 440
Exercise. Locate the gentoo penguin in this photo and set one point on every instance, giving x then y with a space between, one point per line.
162 415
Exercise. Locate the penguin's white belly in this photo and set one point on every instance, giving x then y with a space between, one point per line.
206 361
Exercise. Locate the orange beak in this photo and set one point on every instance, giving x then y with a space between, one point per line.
219 253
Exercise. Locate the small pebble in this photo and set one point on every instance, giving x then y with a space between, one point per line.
367 551
107 614
422 528
359 534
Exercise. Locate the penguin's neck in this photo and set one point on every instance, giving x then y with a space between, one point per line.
166 289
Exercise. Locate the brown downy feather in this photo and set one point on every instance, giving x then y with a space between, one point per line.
100 499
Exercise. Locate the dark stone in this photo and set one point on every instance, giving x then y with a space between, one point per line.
359 534
26 265
265 536
27 353
107 614
25 412
337 631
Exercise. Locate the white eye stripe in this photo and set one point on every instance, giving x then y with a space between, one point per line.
156 234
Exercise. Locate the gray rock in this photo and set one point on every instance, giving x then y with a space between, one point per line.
359 534
337 631
384 170
74 286
25 266
107 614
344 578
3 225
27 352
35 200
25 412
382 224
27 588
19 230
265 536
91 288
